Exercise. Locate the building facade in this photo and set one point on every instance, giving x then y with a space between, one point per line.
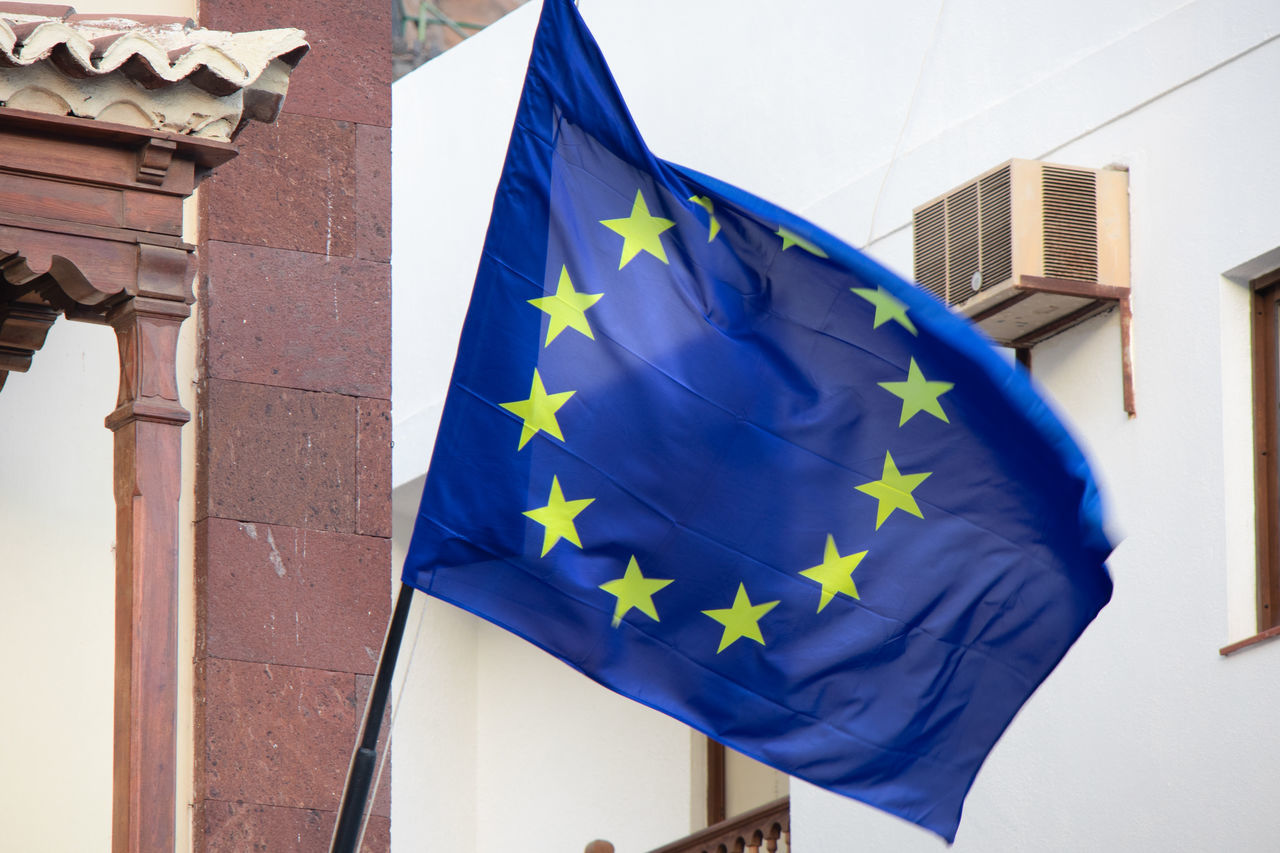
278 575
1148 735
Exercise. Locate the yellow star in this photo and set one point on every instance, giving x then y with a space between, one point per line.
918 394
539 411
640 231
633 589
887 308
835 573
557 517
567 308
705 202
791 238
893 491
741 620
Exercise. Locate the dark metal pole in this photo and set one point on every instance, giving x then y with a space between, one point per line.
355 794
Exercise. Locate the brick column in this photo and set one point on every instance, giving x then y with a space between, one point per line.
293 472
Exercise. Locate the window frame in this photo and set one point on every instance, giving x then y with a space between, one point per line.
1265 347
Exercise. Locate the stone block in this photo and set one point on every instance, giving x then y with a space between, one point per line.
292 187
282 595
276 735
297 319
251 827
276 455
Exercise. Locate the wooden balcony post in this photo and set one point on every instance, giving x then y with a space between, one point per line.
147 424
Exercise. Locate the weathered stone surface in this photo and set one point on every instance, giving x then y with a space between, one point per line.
373 467
292 187
377 835
295 313
298 320
277 735
253 827
277 455
243 827
295 597
347 75
373 193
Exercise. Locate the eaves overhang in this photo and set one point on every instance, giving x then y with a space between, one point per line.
152 72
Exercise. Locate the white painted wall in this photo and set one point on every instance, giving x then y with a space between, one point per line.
58 607
1145 738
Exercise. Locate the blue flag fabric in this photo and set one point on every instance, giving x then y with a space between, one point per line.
728 466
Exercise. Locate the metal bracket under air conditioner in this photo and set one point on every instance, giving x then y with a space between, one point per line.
1089 298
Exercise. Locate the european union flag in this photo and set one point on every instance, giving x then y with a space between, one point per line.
728 466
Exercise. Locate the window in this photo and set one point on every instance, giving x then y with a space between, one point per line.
738 784
1266 400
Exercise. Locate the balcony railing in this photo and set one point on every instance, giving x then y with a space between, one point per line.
767 827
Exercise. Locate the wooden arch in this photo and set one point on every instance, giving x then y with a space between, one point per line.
91 229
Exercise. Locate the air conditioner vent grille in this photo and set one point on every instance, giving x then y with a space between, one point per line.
966 232
931 248
964 241
1070 223
997 228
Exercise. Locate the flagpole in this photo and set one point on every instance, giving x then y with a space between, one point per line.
355 793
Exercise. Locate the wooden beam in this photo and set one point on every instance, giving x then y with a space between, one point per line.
206 153
1071 287
717 783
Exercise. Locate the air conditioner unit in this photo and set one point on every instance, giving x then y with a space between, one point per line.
1027 249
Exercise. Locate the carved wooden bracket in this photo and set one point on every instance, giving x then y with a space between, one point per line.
147 333
154 158
91 229
23 328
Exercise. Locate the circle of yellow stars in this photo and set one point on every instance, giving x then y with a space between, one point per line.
566 309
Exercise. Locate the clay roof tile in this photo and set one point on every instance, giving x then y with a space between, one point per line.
161 55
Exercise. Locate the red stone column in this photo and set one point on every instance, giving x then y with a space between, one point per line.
293 558
147 424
